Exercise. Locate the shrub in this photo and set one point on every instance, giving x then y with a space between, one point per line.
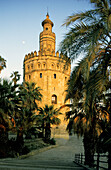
52 141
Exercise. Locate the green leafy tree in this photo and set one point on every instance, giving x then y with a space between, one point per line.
2 63
7 112
85 100
91 131
105 137
15 77
90 35
29 95
49 116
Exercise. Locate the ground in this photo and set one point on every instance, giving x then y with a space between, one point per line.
59 157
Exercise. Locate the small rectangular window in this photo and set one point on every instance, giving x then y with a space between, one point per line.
40 75
29 77
54 76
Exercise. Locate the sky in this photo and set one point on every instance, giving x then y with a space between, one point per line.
20 26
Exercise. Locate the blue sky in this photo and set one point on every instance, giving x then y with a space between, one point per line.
20 26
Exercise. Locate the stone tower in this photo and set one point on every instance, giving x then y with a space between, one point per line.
47 70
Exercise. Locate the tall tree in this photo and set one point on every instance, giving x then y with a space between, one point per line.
49 116
2 63
90 35
29 95
15 77
7 112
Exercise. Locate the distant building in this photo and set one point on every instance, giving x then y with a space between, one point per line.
47 70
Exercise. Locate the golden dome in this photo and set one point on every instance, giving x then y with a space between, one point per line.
47 20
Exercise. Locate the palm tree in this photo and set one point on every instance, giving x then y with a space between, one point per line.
2 63
7 98
85 100
32 95
90 35
15 77
91 132
105 136
90 32
29 95
49 116
7 112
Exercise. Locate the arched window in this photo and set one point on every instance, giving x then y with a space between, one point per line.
54 76
57 66
28 67
40 75
65 78
54 99
52 65
44 65
39 65
32 65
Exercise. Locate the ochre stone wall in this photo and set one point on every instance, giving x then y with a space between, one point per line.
48 72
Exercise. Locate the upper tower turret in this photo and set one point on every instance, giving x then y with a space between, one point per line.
47 23
47 38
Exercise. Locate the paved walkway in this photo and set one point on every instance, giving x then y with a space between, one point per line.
58 158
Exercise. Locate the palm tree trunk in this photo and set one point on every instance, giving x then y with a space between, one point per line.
20 142
89 148
109 149
3 143
43 129
20 137
47 131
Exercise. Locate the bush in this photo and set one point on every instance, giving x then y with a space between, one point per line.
16 148
25 150
52 141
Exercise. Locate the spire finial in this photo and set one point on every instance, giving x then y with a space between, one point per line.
47 13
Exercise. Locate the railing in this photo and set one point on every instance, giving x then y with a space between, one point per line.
100 161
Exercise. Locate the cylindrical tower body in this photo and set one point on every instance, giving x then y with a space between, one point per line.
47 70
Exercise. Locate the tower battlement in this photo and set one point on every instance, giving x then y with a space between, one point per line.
34 54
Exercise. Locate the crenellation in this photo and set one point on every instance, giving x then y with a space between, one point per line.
29 55
57 54
39 53
26 57
61 55
32 54
35 53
